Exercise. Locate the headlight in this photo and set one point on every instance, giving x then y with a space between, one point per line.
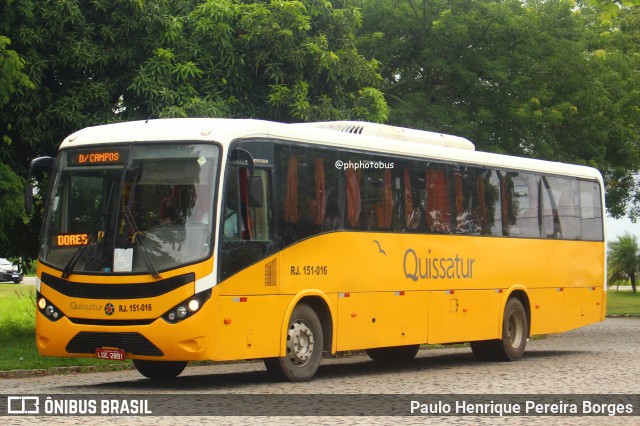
187 308
48 309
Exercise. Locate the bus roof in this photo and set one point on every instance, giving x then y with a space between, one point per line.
391 132
380 139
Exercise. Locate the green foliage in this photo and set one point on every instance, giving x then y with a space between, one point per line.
76 63
11 192
11 74
545 79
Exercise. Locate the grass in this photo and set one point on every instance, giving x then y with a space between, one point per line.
623 302
17 334
17 330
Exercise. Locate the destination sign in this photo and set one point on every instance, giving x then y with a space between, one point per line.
92 158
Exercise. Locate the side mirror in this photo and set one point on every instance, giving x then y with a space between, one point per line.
36 168
256 196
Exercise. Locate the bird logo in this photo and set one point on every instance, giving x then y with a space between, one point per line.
380 248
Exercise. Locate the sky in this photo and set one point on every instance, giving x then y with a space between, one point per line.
617 227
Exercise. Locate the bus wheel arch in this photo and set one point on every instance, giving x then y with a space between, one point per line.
308 333
321 308
514 330
522 296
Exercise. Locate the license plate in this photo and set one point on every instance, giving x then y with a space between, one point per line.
110 354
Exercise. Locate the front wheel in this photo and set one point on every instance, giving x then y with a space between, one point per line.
304 347
515 331
159 370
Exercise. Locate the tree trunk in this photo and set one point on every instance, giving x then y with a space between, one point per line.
632 277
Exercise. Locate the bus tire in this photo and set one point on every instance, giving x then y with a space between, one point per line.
159 370
393 354
304 347
515 331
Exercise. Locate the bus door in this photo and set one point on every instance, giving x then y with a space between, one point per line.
246 234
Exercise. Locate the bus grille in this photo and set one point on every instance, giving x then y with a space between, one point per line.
135 343
116 291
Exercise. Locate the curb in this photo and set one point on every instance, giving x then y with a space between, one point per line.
622 316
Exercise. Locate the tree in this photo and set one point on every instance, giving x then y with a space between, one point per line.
279 60
94 62
541 79
12 78
624 259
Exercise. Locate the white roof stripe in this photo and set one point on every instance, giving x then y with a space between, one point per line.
224 131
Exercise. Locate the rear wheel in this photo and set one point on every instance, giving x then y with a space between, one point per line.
393 354
159 370
515 331
304 347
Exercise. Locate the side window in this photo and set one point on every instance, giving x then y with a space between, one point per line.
247 208
311 196
520 193
477 201
590 210
414 184
440 212
372 192
549 216
489 186
232 223
567 199
259 207
246 233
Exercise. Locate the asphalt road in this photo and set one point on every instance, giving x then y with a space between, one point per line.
599 359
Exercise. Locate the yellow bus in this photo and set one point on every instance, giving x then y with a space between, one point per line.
175 240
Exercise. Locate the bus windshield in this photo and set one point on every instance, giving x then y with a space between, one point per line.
140 209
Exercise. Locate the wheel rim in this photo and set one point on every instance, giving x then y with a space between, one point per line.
300 343
515 329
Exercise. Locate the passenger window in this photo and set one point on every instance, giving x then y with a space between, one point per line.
372 192
477 201
549 217
520 204
567 198
311 195
590 211
439 182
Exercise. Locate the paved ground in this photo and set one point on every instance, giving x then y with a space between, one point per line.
599 359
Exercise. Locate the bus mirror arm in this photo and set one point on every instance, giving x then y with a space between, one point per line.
239 154
255 182
36 169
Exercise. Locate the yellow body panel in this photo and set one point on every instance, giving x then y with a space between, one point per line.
380 289
464 315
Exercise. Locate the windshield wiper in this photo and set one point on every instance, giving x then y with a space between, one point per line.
68 269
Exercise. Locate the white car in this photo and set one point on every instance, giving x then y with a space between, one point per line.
10 272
